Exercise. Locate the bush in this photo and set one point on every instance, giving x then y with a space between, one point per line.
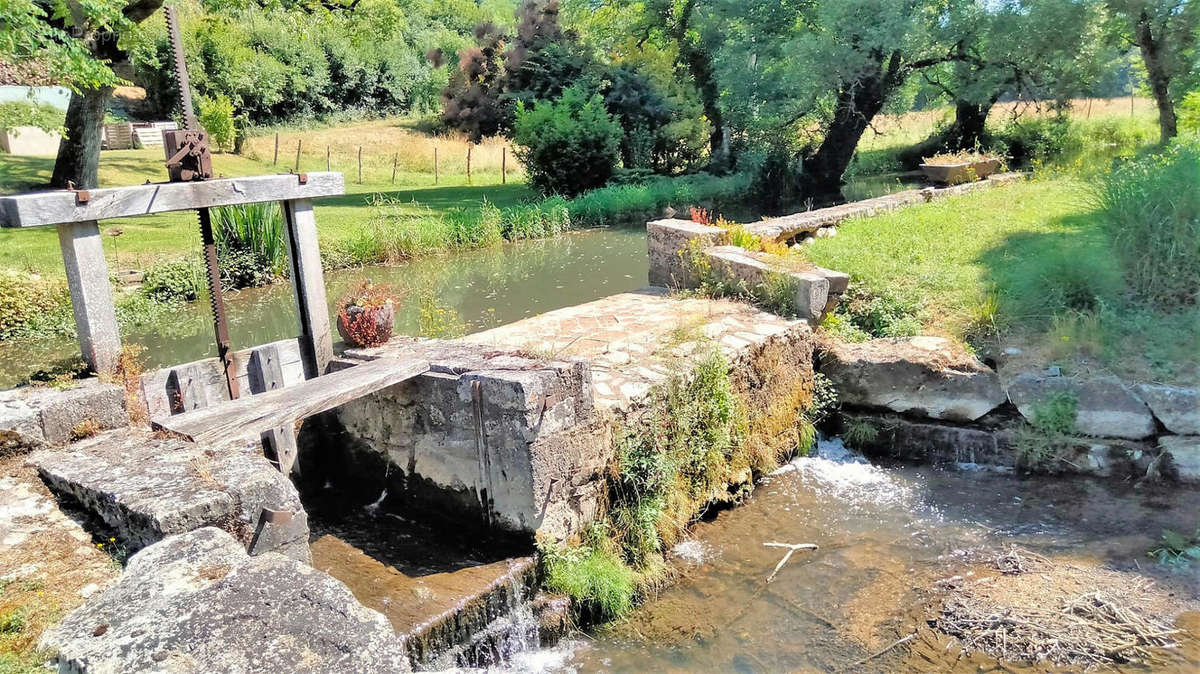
26 304
174 280
1151 210
1041 138
216 116
568 145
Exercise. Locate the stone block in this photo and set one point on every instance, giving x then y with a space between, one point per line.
1177 408
901 438
33 415
667 243
147 488
1105 406
807 292
921 376
197 603
1185 455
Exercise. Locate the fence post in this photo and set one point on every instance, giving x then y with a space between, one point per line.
435 167
395 161
504 165
275 161
359 164
469 162
327 158
299 144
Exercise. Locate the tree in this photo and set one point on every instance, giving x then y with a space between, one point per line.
1042 49
568 145
1164 31
78 42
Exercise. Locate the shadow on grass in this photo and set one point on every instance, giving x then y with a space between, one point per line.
440 198
24 174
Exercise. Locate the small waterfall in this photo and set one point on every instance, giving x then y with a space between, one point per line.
514 630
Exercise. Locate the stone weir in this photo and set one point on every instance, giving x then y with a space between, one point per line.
409 525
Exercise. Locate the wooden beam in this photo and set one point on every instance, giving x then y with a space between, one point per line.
91 295
308 286
253 415
62 206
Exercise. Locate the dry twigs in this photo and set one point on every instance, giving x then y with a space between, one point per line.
1091 629
792 547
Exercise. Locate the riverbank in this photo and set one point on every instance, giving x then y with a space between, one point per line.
1024 274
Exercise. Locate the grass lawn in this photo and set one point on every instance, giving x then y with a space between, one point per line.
174 234
1024 265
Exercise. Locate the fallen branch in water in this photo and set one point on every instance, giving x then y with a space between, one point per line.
792 547
876 654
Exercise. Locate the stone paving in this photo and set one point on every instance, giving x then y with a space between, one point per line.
637 340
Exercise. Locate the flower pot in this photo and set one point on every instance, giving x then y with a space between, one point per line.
366 326
955 174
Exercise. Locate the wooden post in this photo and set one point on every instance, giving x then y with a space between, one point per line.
435 168
308 285
299 143
327 158
359 164
91 296
395 161
275 161
469 163
504 165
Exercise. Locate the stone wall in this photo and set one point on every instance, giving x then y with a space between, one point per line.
506 439
35 416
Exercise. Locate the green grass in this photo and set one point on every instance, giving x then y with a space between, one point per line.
154 237
1029 264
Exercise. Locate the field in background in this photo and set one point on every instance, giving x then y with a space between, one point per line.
152 238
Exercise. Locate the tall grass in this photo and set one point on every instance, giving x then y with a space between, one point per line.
1150 208
256 229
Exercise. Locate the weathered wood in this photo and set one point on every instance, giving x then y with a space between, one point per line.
212 380
265 371
279 446
255 414
308 286
55 207
186 390
91 296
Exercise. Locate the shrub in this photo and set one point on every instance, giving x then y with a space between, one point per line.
26 303
1046 439
216 116
1151 210
866 314
568 145
776 178
593 575
254 231
1041 138
174 280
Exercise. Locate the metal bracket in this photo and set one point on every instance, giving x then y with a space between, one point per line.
271 516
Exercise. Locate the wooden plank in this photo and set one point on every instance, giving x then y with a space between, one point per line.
212 380
186 390
91 295
60 206
279 446
308 286
265 370
273 409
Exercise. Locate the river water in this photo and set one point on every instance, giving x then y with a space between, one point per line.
480 288
885 533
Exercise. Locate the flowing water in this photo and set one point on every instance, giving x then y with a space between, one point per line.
885 533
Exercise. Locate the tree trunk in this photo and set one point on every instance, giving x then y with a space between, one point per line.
1160 79
970 120
79 151
857 104
700 67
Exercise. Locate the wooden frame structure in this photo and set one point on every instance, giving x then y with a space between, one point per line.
77 215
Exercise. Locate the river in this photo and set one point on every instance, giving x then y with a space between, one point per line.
885 534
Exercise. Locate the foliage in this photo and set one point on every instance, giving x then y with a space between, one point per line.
568 145
1151 211
435 319
1176 549
1040 138
174 280
367 295
23 113
357 314
61 375
251 243
216 117
859 433
1045 440
25 303
873 314
601 585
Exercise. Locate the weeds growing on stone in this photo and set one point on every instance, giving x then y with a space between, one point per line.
859 433
1043 442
